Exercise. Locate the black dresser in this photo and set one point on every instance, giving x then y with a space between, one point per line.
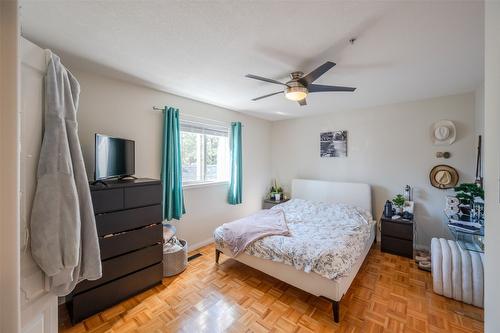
397 236
128 217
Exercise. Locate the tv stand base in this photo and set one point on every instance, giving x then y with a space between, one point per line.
125 177
95 182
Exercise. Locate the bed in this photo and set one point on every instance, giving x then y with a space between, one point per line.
322 283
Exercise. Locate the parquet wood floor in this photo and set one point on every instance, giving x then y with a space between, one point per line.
389 294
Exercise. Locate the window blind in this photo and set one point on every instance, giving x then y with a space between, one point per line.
203 128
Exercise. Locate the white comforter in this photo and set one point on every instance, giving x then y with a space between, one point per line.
324 238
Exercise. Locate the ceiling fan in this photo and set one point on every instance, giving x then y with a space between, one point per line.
300 85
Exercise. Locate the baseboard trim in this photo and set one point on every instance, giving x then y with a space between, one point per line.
196 246
422 247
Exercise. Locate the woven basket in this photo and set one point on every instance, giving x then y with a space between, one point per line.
175 262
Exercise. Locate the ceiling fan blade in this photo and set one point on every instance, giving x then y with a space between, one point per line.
256 77
320 87
302 102
261 97
315 74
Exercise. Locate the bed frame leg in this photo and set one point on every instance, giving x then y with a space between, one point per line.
217 255
336 311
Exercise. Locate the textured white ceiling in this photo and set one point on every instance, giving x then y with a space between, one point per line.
404 50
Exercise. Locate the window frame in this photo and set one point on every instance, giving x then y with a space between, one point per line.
206 125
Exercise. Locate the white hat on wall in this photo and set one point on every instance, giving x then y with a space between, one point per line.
443 132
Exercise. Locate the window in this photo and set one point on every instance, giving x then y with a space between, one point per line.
205 153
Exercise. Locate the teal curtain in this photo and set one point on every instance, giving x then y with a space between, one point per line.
171 166
236 182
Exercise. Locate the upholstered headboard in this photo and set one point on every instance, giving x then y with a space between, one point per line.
357 194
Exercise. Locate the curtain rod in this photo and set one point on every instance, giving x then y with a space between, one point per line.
158 108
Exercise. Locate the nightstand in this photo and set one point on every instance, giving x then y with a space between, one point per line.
268 203
397 236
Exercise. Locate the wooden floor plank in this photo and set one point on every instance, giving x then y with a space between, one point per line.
390 294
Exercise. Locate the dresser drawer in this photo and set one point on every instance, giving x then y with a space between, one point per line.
129 241
124 265
107 200
140 196
129 219
397 229
397 246
95 300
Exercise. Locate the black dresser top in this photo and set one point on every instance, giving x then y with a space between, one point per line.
400 220
114 183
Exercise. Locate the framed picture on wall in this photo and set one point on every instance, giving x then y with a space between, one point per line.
333 144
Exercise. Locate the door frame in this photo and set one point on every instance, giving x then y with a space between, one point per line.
10 310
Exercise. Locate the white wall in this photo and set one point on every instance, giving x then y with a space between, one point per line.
492 166
388 147
122 109
9 168
479 107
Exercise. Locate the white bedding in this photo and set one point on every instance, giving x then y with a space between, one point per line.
324 238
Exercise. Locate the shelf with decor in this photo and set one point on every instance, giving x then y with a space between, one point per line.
468 240
465 214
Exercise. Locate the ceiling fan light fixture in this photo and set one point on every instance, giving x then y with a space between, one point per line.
297 93
301 85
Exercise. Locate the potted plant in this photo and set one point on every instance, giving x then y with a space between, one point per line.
467 194
399 202
276 191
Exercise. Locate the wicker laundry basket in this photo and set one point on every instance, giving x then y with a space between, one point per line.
175 262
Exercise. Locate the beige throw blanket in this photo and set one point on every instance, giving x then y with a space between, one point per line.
243 232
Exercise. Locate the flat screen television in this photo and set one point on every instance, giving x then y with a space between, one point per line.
114 157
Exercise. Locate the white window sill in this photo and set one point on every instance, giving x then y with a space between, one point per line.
205 184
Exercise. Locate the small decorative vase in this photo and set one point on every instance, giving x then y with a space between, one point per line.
399 210
277 197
